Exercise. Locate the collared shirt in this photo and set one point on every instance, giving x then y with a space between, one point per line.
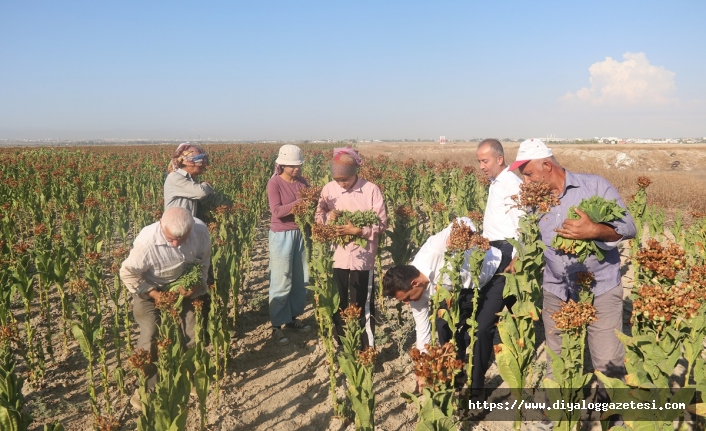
560 269
362 196
501 220
181 190
429 261
154 262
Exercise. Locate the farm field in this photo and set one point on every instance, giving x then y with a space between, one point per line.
69 216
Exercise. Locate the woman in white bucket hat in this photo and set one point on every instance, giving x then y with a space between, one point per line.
288 270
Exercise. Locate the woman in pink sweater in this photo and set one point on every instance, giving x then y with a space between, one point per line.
288 269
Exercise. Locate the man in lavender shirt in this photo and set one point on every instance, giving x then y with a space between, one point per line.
537 163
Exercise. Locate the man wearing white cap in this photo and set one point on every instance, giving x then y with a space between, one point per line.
536 162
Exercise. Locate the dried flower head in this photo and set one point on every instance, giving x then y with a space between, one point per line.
166 302
585 279
351 314
661 261
643 182
164 344
301 208
77 286
91 203
9 333
40 229
104 423
405 212
476 217
697 276
310 194
120 253
370 173
92 257
661 304
438 366
574 315
439 207
21 247
323 232
463 238
535 197
198 305
367 357
139 359
114 269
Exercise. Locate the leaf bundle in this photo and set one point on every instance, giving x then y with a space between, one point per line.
358 219
599 210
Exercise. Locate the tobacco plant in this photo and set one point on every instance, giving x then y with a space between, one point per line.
436 368
515 354
326 299
668 326
304 214
166 408
12 414
358 367
569 377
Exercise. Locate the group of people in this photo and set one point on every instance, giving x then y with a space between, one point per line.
162 250
416 283
352 263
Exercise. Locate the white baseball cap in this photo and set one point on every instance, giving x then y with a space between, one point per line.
531 149
290 155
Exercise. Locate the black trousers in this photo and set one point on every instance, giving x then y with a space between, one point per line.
490 302
353 286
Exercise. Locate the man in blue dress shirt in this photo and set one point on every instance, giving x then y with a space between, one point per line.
536 162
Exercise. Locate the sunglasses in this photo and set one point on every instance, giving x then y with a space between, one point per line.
200 158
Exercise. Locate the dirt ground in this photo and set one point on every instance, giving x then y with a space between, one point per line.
272 387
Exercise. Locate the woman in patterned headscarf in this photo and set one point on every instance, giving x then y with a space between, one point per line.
181 188
352 264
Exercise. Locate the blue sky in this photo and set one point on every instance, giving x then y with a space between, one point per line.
338 70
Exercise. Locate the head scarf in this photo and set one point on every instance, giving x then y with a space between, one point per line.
345 163
188 155
278 170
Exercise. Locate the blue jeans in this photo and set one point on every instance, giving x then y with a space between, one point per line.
289 276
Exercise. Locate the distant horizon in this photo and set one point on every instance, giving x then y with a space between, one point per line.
5 141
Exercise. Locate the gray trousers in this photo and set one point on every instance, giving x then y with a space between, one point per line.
147 317
607 352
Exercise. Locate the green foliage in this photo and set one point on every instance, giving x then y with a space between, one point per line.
326 301
358 219
12 415
359 375
165 409
516 352
191 277
436 411
598 210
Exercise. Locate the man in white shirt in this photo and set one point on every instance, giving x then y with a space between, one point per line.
416 283
500 222
159 256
